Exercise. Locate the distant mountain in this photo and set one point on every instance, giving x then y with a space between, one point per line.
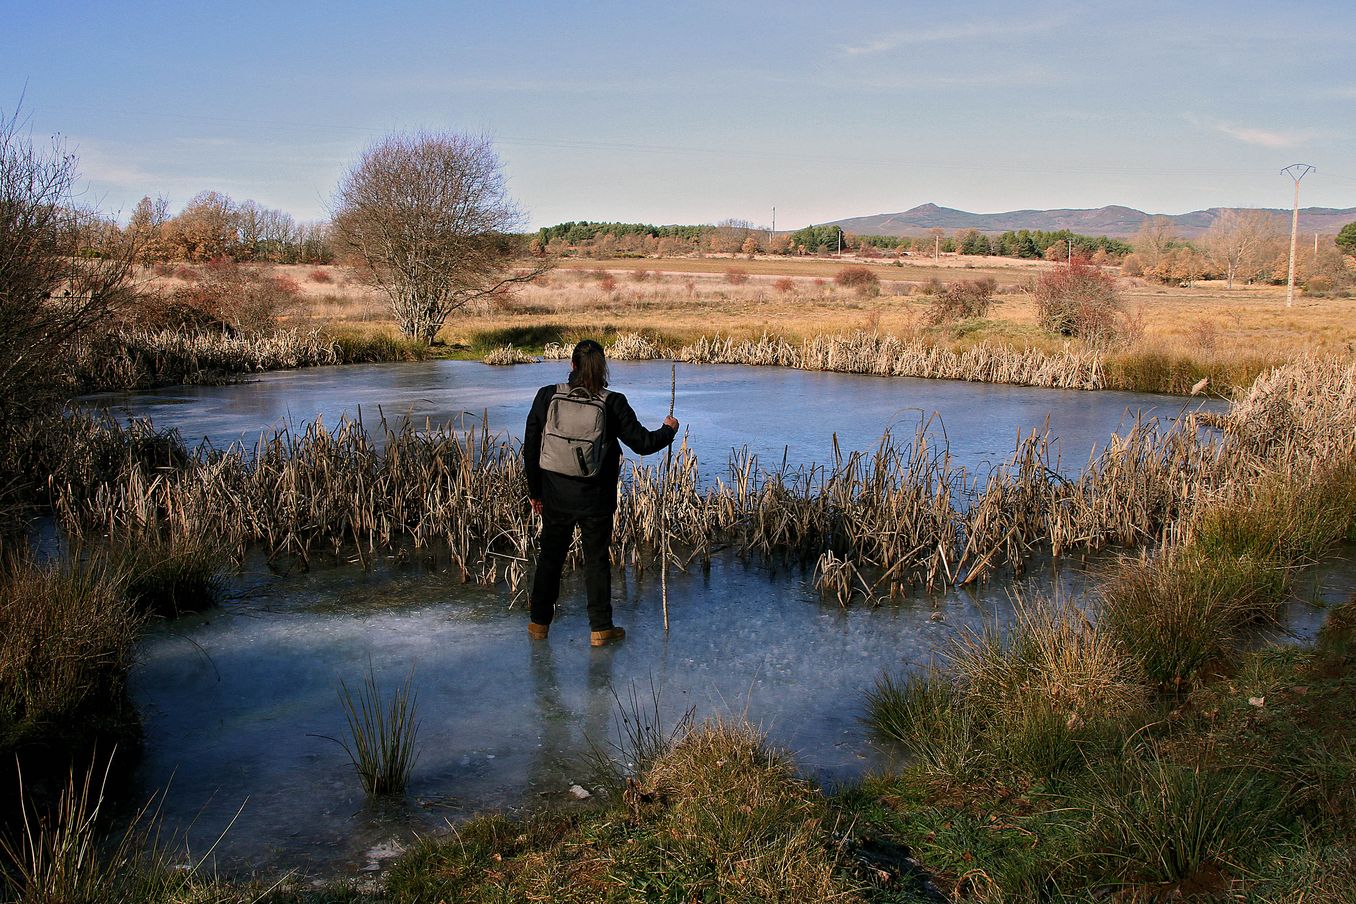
1115 221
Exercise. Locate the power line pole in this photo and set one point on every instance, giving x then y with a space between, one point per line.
771 233
1296 171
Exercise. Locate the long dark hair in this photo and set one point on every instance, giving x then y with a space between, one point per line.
590 366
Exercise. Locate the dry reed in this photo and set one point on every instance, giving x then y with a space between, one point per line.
139 358
881 355
509 355
902 515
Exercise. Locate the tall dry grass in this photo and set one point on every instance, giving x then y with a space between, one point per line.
66 636
902 515
877 354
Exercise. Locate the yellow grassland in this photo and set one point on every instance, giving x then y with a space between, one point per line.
686 298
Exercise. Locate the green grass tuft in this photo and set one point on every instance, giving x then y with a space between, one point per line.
382 734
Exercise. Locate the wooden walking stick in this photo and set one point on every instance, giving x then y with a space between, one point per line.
663 514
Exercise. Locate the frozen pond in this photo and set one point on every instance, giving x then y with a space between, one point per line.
237 702
234 701
770 410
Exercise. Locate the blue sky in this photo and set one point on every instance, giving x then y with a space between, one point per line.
696 112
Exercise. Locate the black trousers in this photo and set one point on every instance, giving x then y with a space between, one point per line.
557 529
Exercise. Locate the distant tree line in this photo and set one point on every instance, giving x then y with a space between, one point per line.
1242 246
739 237
212 226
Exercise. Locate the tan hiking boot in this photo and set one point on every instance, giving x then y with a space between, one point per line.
603 638
536 631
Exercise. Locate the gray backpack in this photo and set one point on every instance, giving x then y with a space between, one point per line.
576 432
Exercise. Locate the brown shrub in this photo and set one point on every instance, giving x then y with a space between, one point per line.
964 300
244 298
607 282
319 275
736 276
784 284
859 278
1204 334
640 275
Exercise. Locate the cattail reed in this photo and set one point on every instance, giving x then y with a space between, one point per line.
137 358
905 514
509 355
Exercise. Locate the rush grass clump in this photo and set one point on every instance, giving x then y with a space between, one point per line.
66 636
1157 823
1181 608
382 734
1034 698
167 577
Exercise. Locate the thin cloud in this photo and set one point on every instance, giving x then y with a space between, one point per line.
1253 135
946 34
1266 138
97 165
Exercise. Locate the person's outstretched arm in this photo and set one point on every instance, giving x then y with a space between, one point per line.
630 430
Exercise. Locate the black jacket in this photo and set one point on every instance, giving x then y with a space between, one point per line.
587 495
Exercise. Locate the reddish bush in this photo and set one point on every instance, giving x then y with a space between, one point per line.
640 275
320 276
607 283
784 284
736 276
1080 301
287 285
863 279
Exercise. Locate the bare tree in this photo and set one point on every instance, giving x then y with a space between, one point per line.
429 219
1156 237
1241 243
53 289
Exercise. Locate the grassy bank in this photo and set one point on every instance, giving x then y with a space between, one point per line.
1137 752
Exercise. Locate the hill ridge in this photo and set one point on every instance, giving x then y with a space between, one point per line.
1114 220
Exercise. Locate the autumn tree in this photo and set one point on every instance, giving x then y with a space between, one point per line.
146 229
205 229
1241 243
728 236
428 218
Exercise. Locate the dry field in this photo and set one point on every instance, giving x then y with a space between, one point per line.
686 298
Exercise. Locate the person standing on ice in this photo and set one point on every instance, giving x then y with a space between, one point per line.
572 458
